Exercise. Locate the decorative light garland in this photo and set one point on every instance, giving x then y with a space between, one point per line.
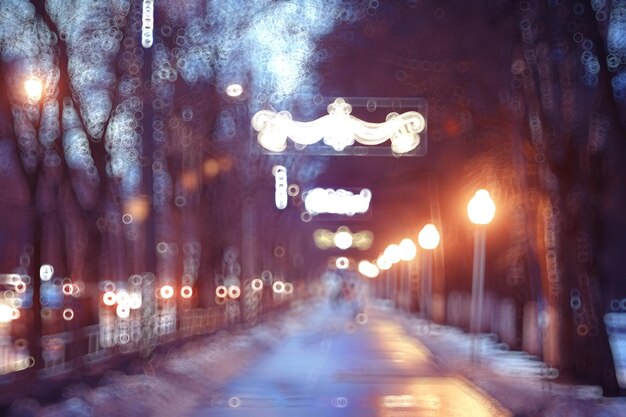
338 129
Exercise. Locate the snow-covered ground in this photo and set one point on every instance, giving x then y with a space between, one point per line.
520 382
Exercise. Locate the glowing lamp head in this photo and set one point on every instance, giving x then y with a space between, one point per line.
392 253
166 292
407 250
33 87
428 238
368 269
383 263
481 209
343 239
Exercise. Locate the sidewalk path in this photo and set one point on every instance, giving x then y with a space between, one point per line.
338 366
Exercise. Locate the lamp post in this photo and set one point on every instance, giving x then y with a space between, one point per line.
480 210
33 89
408 250
428 239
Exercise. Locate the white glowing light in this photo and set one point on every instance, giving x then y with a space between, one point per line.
481 208
33 87
280 193
392 253
278 287
234 90
320 200
338 129
257 284
429 237
288 288
135 300
166 291
67 289
45 272
68 314
122 311
343 239
408 250
368 269
342 262
7 313
109 298
221 291
383 263
234 291
123 298
147 19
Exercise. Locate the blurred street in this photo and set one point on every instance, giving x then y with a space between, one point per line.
317 359
338 366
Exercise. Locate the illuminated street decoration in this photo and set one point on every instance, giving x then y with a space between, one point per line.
45 272
338 129
343 239
148 23
320 200
280 193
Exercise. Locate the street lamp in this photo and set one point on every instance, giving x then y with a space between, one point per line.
33 87
480 210
428 239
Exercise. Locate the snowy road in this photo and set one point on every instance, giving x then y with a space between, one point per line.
339 367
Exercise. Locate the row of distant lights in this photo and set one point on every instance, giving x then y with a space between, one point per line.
233 291
126 301
428 239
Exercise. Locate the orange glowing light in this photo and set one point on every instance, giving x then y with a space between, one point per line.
33 87
211 168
